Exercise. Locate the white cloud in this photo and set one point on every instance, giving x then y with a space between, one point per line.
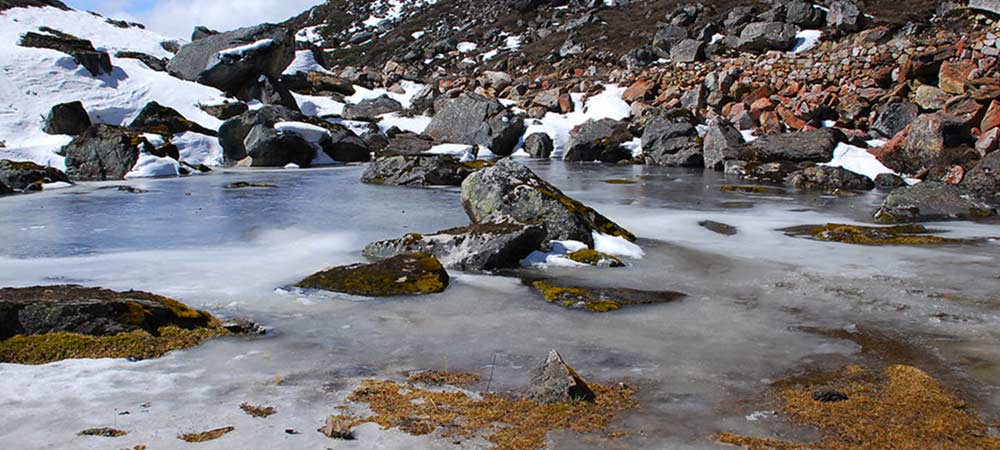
177 18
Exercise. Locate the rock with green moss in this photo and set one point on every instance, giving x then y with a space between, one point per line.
26 175
931 201
48 323
419 170
509 188
409 274
595 258
600 299
909 234
497 244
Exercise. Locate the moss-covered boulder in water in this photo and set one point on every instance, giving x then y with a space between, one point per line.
410 274
595 258
49 323
511 189
26 175
419 170
600 299
909 234
932 201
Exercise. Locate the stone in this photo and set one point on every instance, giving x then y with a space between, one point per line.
671 139
894 117
83 52
719 227
226 110
600 300
722 142
638 91
511 189
268 147
313 82
26 175
845 15
500 243
988 142
889 181
954 75
158 119
410 274
103 152
688 51
538 145
992 6
335 140
474 119
764 36
991 119
556 382
829 179
668 35
418 170
67 118
548 99
804 14
931 201
984 178
154 63
369 109
801 146
928 142
598 140
930 98
983 89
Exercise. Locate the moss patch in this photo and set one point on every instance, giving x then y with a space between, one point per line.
595 258
601 299
209 435
510 423
620 181
898 407
864 235
411 274
139 344
435 377
258 411
103 432
751 189
247 184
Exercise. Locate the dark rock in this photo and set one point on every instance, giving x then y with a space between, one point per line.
764 36
25 175
233 132
318 83
158 119
500 243
369 109
408 144
688 51
931 140
342 145
270 92
7 4
67 118
556 382
411 274
804 14
225 111
157 64
722 142
103 152
671 139
984 178
894 117
719 228
538 145
845 15
5 190
82 51
600 300
90 311
474 119
668 35
828 179
598 140
268 147
800 146
931 201
201 32
511 189
418 170
889 181
829 396
243 325
231 60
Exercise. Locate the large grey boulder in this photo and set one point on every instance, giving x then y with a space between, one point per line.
845 15
103 152
598 140
233 132
538 145
268 147
97 62
668 35
671 139
371 108
418 170
511 189
159 119
474 119
5 190
338 142
826 178
931 201
799 146
984 178
764 36
67 118
25 175
500 243
804 14
722 142
230 60
688 51
556 382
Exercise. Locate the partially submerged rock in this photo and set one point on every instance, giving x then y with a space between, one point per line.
598 140
419 170
984 179
671 139
829 178
205 436
556 382
48 323
601 299
511 189
929 201
719 227
410 274
26 175
595 258
497 244
103 152
910 234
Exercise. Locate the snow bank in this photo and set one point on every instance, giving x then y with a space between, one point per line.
806 39
151 166
305 61
617 246
606 105
857 160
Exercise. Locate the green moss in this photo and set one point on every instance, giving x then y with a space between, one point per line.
620 181
601 299
247 184
412 274
599 222
49 347
751 189
477 164
595 258
911 234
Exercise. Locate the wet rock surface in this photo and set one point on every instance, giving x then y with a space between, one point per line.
600 300
418 170
929 201
409 274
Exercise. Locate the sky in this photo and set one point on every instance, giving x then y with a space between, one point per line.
177 18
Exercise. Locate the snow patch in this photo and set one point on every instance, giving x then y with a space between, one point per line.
806 39
152 166
857 160
305 61
617 246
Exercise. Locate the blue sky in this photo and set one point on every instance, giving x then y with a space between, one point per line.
176 18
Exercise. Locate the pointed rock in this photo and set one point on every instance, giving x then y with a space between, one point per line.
556 382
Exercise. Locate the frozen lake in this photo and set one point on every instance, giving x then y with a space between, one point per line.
751 300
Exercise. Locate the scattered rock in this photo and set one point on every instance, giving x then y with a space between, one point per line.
337 427
722 142
410 274
205 436
247 184
83 51
829 396
369 109
419 170
158 119
828 179
763 36
983 179
258 411
598 140
67 118
910 234
601 299
226 110
26 175
103 152
474 119
894 117
889 181
595 258
556 382
538 145
671 139
800 146
719 227
930 201
103 432
244 325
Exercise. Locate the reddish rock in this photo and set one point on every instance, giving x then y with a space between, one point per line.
789 118
760 106
992 118
637 91
954 175
954 75
566 104
891 154
984 89
988 142
965 108
770 123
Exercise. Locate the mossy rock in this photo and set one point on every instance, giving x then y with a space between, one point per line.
601 299
751 189
409 274
911 234
620 181
247 184
595 258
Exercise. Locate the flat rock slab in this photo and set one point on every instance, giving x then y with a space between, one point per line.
409 274
601 299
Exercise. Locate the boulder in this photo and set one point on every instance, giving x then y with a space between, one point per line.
233 133
984 178
500 243
829 179
892 118
556 382
26 175
231 60
804 14
538 145
992 6
511 189
889 181
600 300
268 147
931 140
418 170
671 139
201 32
688 51
369 109
931 201
410 274
67 118
845 15
226 110
83 51
598 140
342 145
668 35
269 91
5 190
474 119
407 144
318 83
103 152
800 146
158 119
930 98
157 64
722 142
764 36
